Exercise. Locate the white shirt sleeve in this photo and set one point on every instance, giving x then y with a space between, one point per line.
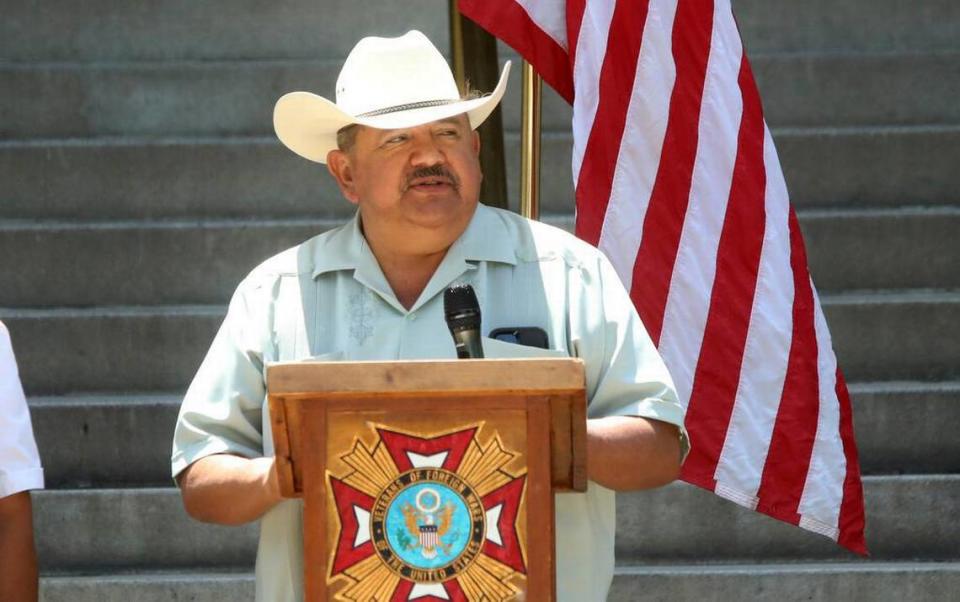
20 468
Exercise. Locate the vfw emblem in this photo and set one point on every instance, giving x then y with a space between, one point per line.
428 518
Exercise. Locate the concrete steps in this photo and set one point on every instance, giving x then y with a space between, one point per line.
155 262
255 177
913 335
128 529
138 135
94 440
231 98
853 582
857 582
213 29
118 440
681 523
217 29
688 524
153 586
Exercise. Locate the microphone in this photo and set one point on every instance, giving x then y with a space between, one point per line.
463 319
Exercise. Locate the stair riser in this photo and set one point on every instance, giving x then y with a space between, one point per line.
236 98
759 583
187 263
259 178
127 443
684 523
675 523
106 29
62 353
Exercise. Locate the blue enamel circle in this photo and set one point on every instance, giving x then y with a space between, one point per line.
428 525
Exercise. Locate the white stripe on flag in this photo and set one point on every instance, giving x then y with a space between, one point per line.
591 48
549 15
688 302
823 491
767 349
642 142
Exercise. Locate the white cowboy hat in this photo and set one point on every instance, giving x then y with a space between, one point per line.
385 83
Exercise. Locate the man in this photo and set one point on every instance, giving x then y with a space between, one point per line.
402 147
20 471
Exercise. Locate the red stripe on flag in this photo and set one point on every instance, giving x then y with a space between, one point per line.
575 10
795 428
653 267
603 146
852 520
738 260
511 23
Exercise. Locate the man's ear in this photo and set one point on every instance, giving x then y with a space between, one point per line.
476 142
339 166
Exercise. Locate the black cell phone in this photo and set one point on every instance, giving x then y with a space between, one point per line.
531 336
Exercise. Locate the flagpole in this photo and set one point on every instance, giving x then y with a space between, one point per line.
530 143
473 55
456 46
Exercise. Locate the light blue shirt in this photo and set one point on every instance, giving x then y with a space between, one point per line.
327 298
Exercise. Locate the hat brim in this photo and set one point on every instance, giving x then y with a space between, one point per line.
307 123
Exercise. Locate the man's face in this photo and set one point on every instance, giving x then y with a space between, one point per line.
417 188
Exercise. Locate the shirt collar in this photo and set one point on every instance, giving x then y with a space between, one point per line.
485 239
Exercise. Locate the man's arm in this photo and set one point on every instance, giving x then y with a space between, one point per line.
626 453
229 490
18 559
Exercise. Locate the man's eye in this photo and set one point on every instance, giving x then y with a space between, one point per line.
395 139
449 133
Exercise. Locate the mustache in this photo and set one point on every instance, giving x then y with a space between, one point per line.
433 171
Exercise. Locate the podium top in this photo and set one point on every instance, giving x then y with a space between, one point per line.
526 374
412 385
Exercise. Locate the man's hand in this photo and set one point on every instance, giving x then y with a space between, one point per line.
18 559
625 453
229 490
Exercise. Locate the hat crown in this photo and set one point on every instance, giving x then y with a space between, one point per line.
381 73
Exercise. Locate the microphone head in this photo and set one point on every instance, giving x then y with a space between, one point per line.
461 307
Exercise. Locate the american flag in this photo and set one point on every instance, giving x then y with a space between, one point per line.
678 182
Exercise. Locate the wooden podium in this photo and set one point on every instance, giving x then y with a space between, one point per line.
429 480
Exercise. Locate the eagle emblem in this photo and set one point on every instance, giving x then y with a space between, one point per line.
427 522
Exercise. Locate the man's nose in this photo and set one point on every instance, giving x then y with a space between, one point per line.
426 151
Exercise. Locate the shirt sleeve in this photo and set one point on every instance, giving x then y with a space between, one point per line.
625 374
20 468
221 412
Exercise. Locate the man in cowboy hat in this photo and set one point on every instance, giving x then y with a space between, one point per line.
401 144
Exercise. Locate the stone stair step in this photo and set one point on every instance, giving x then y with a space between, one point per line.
214 29
118 349
852 582
210 98
878 336
682 523
890 442
154 532
255 177
182 262
883 249
154 586
856 582
111 30
864 25
844 89
137 262
903 335
105 440
677 523
124 440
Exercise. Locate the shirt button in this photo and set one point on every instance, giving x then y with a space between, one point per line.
413 317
